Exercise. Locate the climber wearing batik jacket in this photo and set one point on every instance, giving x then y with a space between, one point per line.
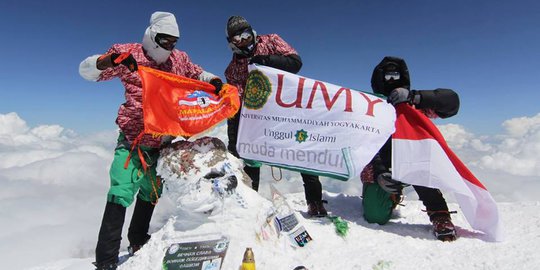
268 50
121 61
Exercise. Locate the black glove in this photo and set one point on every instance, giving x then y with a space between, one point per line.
400 95
259 59
125 59
217 83
390 185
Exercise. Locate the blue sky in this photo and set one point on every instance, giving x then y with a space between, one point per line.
487 51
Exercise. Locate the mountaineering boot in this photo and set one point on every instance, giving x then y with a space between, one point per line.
316 209
312 209
106 267
443 228
322 210
110 236
138 228
132 249
397 198
313 193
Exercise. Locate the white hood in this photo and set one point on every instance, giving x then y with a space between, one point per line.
164 23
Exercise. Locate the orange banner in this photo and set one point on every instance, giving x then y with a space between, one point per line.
180 106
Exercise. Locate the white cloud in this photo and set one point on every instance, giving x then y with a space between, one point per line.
15 134
54 184
523 126
21 145
508 164
517 151
11 124
24 157
514 152
458 138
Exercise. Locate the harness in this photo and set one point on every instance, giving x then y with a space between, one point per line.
144 154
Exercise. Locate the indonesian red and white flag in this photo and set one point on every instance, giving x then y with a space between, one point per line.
421 156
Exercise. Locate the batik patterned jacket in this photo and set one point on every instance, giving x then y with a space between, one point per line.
237 71
130 114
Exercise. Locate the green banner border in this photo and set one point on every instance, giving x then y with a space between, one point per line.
337 176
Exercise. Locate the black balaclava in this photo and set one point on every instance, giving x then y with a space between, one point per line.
235 26
389 74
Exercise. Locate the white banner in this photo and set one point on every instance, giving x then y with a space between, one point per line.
304 124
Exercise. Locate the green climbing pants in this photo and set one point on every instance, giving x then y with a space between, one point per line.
126 182
377 204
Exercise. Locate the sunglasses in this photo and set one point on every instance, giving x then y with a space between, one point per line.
392 75
167 43
239 38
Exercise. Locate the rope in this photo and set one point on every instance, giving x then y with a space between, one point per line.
157 181
280 174
135 143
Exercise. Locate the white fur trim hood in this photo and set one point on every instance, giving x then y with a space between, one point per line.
164 23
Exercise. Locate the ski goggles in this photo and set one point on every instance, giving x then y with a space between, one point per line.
240 38
166 42
392 75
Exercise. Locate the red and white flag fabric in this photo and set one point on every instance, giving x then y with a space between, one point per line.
421 156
